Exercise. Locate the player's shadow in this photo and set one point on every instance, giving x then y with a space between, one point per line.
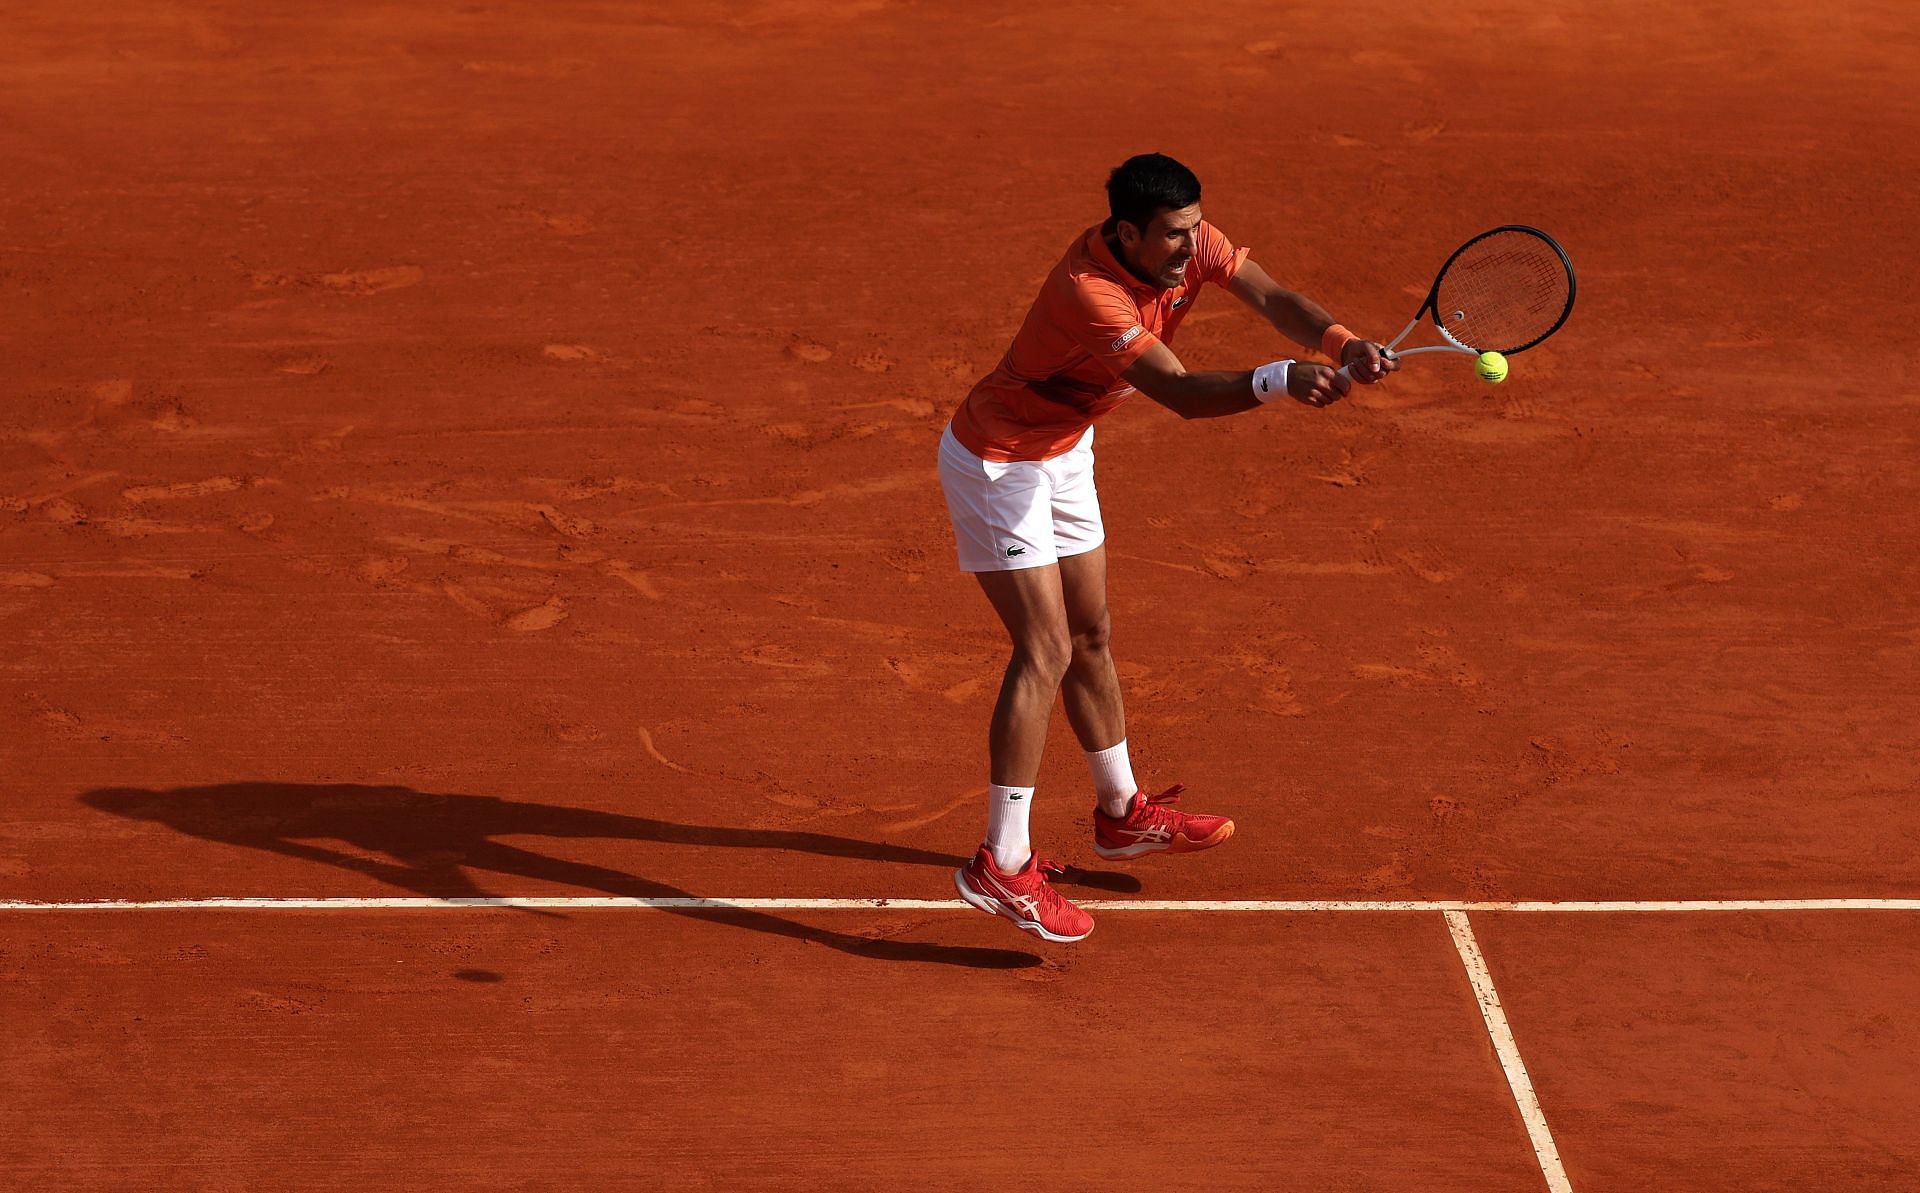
437 843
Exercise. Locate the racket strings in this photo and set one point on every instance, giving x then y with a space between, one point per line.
1503 292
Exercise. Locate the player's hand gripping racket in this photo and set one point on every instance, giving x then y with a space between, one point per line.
1503 291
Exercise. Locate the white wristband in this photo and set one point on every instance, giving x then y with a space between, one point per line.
1270 381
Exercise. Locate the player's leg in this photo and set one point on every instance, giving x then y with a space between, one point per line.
1127 821
1033 611
1002 524
1006 877
1091 687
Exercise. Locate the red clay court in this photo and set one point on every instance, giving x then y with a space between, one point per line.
486 453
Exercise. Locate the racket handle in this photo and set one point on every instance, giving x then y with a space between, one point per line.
1347 370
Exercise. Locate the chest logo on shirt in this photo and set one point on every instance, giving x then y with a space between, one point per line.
1131 334
1179 302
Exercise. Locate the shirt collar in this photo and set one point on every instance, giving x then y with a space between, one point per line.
1097 248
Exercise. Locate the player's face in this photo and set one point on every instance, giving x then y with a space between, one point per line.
1162 252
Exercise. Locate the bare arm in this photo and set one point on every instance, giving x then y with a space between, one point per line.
1160 375
1293 315
1305 321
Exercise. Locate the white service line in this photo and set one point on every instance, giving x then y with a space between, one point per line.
1288 906
1508 1051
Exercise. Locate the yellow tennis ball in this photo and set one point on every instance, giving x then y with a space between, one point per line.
1492 367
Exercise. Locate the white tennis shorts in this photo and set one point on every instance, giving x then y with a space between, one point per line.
1023 513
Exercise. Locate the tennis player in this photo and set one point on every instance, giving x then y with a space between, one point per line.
1016 462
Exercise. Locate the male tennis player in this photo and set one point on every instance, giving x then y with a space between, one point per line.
1017 465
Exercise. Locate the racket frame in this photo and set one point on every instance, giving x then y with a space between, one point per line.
1428 305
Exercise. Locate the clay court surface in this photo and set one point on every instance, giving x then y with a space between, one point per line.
487 452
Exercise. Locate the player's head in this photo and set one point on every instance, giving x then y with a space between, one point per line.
1153 205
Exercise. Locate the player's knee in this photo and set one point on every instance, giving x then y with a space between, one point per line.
1091 640
1045 657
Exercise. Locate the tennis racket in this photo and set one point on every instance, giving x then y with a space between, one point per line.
1503 291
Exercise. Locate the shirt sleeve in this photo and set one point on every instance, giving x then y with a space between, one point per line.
1106 324
1216 256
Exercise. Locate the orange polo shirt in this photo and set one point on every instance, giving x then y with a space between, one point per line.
1092 320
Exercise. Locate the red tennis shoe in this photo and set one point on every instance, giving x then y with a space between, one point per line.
1153 825
1025 897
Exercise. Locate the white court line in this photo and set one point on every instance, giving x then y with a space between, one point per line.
1508 1051
1454 911
1291 906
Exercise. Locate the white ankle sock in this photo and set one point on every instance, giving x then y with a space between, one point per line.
1007 840
1113 783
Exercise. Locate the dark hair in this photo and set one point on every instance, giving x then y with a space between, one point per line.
1140 186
